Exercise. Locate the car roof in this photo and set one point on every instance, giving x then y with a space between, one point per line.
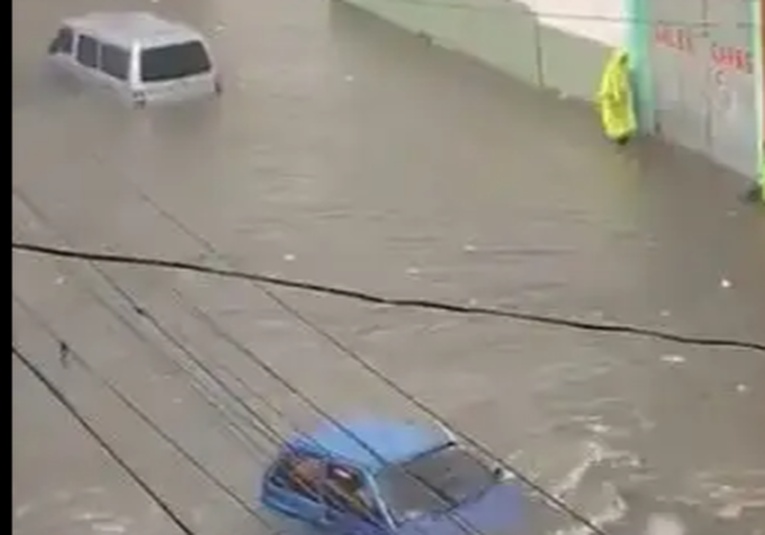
128 27
372 443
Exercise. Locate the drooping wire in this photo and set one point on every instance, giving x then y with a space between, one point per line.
461 522
259 279
59 396
281 442
270 433
386 379
359 295
137 411
465 526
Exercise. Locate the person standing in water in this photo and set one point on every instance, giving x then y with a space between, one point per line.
614 99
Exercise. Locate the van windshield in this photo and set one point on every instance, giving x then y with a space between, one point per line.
175 61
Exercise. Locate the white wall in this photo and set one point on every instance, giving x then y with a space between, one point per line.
571 16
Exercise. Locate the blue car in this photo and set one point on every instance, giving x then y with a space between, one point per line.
378 477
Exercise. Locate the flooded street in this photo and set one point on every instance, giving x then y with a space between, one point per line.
348 153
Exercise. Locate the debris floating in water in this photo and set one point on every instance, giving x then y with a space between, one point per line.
673 359
742 388
413 271
664 524
289 257
599 429
725 283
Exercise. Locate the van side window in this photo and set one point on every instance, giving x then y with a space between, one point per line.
62 44
115 61
87 51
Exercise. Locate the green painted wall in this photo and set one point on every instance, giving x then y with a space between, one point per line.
638 45
505 36
509 37
757 46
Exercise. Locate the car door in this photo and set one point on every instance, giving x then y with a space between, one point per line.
351 505
293 486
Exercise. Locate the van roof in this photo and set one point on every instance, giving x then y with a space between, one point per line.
127 28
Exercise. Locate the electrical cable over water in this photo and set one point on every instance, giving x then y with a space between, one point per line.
550 499
270 433
103 443
262 282
415 303
259 423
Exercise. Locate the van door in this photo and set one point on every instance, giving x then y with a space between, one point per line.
114 65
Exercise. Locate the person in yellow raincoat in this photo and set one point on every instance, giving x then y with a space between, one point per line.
614 99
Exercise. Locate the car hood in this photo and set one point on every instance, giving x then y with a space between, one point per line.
499 511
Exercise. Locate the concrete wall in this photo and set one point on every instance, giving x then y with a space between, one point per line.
558 44
703 88
692 87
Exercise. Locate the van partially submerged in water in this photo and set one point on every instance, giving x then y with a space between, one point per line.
143 58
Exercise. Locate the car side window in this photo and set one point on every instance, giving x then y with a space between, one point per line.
62 43
300 473
346 491
115 61
87 51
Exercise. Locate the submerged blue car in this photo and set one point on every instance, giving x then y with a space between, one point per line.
380 477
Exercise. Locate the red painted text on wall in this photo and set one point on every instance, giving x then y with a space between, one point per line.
677 38
732 58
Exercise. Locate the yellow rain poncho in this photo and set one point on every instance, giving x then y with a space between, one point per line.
614 99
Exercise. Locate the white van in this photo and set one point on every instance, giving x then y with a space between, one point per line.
143 57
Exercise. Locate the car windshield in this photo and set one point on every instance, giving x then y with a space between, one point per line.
433 483
174 61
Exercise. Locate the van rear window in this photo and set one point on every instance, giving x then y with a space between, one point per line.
174 61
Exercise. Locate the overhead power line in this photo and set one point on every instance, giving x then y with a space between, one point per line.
359 295
59 396
271 434
146 419
259 423
465 526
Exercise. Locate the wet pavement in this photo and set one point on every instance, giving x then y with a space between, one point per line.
346 152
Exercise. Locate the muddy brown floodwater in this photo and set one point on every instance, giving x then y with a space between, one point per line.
347 152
